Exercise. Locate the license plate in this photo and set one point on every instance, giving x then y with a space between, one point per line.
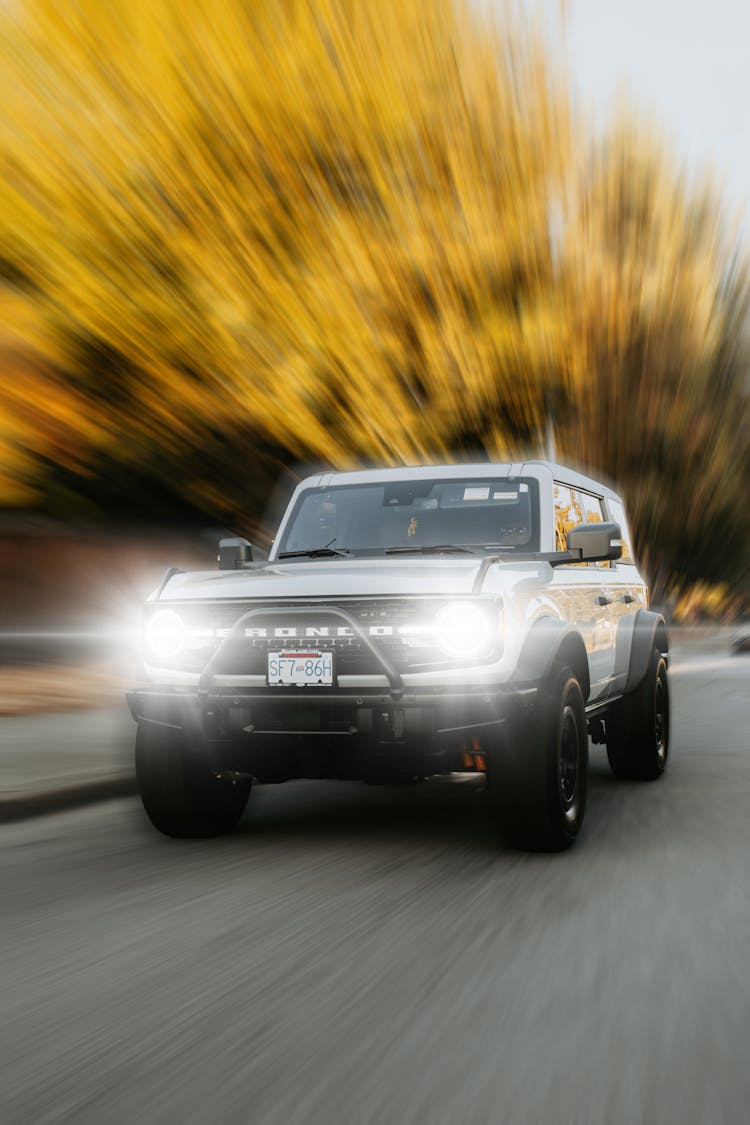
300 669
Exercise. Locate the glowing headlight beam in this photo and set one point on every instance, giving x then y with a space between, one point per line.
462 629
165 634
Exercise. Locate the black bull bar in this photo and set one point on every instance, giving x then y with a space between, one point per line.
206 681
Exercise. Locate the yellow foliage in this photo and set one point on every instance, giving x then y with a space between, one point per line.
659 303
704 601
324 221
351 230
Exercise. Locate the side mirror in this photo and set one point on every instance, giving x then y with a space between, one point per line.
234 553
596 541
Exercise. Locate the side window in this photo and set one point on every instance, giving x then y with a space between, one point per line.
618 515
591 506
568 514
573 506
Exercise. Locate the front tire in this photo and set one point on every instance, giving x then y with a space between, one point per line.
181 794
538 786
637 726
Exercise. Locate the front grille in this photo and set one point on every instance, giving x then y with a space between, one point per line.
247 655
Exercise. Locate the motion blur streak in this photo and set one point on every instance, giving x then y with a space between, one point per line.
235 235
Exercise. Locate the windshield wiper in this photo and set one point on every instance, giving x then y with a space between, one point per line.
315 553
430 549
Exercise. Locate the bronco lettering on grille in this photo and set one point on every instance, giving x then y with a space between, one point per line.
318 631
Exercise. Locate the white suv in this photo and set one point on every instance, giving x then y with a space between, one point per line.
409 622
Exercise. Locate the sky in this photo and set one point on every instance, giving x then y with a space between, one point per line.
685 61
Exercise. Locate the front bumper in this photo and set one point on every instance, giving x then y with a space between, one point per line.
444 713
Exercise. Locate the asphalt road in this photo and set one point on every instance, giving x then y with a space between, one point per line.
360 955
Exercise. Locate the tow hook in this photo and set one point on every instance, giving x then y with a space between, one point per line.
390 724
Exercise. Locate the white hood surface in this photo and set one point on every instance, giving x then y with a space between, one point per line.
329 578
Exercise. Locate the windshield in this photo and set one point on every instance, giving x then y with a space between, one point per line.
371 518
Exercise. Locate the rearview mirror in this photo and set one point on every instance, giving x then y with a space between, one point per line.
234 553
596 541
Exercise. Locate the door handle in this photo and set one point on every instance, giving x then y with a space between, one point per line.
628 598
604 600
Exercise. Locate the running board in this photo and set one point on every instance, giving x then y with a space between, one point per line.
601 706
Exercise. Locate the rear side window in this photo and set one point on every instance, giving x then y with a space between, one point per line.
591 507
618 515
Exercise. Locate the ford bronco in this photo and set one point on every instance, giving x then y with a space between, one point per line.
409 622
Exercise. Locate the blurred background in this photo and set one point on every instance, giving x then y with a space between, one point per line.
240 239
237 239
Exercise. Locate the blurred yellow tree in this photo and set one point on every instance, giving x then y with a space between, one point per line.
322 223
659 308
345 230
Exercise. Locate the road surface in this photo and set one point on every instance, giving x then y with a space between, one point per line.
360 955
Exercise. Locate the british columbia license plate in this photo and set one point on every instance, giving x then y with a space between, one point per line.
300 669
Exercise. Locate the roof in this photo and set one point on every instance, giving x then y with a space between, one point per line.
572 476
558 471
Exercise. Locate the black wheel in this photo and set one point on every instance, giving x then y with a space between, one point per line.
181 793
538 782
637 726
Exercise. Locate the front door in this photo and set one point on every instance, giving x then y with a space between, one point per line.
582 590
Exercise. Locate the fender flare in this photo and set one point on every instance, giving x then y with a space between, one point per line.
649 630
550 642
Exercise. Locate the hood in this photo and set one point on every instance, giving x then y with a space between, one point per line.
329 578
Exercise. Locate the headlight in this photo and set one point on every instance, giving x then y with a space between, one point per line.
165 634
463 629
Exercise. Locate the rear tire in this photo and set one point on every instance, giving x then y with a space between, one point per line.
180 791
538 785
637 726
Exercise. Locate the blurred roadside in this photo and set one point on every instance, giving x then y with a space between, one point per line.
70 604
58 761
58 576
33 689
